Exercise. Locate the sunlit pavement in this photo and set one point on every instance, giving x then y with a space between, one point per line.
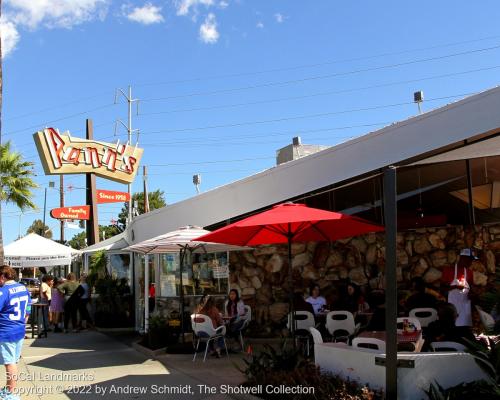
91 365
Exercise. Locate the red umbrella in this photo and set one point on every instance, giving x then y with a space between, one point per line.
287 223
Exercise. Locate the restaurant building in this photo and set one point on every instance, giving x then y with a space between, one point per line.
448 196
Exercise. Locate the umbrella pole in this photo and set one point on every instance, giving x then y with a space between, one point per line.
290 283
181 295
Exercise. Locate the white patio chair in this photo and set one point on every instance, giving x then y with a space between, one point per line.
340 324
317 338
447 346
372 344
424 315
414 321
303 321
204 332
487 320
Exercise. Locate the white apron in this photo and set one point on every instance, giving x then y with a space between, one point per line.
460 299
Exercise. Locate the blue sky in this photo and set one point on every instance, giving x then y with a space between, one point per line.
214 77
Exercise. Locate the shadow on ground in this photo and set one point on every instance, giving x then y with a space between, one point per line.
151 387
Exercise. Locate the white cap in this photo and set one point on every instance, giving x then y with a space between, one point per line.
468 253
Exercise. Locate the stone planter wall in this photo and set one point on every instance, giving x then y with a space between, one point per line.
261 275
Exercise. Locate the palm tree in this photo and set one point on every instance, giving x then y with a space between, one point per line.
15 183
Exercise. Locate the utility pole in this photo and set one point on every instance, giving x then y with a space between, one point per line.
130 131
44 213
146 196
61 203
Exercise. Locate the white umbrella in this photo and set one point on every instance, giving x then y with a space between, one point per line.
180 240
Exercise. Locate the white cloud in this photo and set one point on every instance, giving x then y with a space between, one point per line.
260 25
280 18
54 13
184 7
10 37
147 14
223 4
208 30
32 14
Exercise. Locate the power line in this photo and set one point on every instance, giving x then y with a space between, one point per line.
209 140
382 85
304 66
248 73
318 77
56 106
45 123
296 117
211 162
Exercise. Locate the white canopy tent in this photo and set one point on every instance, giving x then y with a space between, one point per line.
36 251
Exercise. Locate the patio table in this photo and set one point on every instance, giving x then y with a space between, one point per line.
403 338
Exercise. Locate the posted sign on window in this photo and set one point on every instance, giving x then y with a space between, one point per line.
63 154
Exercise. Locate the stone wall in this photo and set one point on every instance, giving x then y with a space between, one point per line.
261 275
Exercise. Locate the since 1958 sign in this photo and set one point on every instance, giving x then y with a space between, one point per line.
63 154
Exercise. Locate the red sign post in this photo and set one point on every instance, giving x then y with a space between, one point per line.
110 196
75 212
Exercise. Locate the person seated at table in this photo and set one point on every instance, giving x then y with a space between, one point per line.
353 300
445 330
318 302
235 309
210 310
377 322
420 298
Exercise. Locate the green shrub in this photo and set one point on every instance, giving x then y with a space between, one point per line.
288 367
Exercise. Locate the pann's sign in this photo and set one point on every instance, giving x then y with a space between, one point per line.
63 154
75 212
110 196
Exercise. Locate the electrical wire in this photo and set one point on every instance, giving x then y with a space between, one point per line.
328 93
304 66
297 117
320 77
45 123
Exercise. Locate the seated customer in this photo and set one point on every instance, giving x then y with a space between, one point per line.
353 299
420 298
210 310
235 309
318 302
445 330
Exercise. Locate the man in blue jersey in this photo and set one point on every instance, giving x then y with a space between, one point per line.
15 306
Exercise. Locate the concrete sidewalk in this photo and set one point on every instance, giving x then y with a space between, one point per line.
91 365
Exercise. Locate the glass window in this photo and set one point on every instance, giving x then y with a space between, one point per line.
208 274
120 268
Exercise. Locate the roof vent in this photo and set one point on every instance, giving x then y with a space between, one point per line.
296 141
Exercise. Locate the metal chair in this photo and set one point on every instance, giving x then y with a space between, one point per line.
204 331
340 325
487 320
447 346
246 318
372 344
303 321
424 315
